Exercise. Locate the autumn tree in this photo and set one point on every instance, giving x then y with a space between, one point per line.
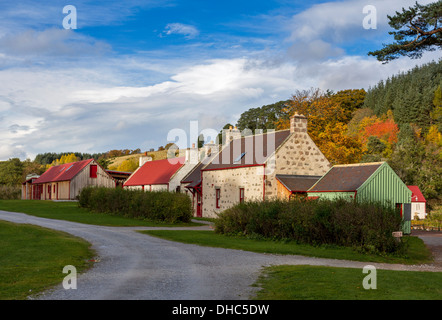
418 29
327 115
128 165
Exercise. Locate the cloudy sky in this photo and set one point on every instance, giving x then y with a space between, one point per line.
128 73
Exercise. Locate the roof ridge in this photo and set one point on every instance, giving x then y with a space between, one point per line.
359 164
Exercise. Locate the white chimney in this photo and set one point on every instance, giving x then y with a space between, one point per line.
144 158
192 155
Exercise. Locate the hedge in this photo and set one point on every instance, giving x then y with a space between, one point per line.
367 227
156 205
10 192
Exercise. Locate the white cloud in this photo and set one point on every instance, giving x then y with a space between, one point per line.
186 30
51 42
322 31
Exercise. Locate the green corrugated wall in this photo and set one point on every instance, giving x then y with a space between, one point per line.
386 187
383 186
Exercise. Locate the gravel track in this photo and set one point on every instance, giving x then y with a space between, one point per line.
135 266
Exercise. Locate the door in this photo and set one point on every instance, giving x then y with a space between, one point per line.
198 205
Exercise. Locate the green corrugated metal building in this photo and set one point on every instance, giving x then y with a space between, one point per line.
366 182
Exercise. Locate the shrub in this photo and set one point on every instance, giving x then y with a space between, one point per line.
157 206
367 227
10 192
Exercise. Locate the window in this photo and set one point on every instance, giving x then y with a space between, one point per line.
241 195
218 196
93 171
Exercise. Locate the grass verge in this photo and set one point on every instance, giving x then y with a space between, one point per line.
330 283
417 252
70 211
32 258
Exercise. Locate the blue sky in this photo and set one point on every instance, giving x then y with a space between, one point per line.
134 70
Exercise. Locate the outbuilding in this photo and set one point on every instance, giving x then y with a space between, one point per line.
418 203
373 182
65 181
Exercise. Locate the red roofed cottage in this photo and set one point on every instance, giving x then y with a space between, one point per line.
65 181
418 203
154 175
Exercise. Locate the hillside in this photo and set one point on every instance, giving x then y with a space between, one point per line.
130 162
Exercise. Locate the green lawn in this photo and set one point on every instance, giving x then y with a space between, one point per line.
417 251
329 283
70 211
32 258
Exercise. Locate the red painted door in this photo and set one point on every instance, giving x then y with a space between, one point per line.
198 205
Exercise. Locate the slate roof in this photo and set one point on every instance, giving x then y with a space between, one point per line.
193 178
416 194
297 183
248 151
63 172
345 177
155 172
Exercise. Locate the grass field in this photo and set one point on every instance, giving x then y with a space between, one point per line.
32 258
328 283
71 212
417 251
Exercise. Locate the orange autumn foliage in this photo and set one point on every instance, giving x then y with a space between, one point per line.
386 130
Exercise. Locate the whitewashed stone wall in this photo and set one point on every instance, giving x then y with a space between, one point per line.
229 181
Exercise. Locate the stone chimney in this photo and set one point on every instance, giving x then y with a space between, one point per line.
143 159
298 123
231 134
209 149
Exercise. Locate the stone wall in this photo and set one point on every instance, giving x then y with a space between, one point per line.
229 181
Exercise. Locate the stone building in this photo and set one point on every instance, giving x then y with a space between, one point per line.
247 167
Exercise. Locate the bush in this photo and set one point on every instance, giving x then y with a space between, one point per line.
10 192
367 227
156 206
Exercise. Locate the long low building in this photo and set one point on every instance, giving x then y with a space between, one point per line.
65 181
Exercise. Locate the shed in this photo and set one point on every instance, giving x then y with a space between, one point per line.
418 203
27 191
65 181
375 182
290 186
119 176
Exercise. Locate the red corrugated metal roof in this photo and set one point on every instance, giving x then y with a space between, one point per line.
155 172
63 172
416 194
